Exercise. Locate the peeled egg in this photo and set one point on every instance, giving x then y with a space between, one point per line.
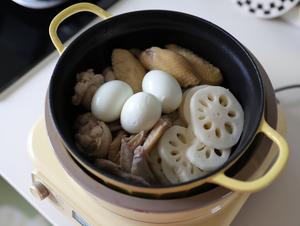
165 88
109 99
140 112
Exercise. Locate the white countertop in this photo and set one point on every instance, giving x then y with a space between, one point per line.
275 44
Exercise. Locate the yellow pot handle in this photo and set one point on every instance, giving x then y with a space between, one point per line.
71 10
265 180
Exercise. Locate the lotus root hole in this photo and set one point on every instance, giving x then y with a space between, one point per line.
218 152
178 159
181 138
228 127
218 132
202 117
172 143
203 103
184 163
207 125
210 97
174 152
207 153
223 100
231 114
201 148
192 170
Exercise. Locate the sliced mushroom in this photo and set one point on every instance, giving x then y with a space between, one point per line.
157 131
140 166
128 145
114 148
126 156
114 169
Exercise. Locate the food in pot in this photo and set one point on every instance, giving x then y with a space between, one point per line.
108 74
206 158
216 107
128 69
128 145
115 146
126 156
136 52
155 134
184 109
136 140
140 166
109 99
184 155
170 62
217 118
114 126
87 84
172 150
175 118
208 73
169 172
160 136
155 164
92 136
114 169
140 112
165 88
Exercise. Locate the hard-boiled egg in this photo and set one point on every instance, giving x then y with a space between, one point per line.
165 88
109 99
140 112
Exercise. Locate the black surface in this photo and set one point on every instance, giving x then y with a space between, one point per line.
24 39
144 29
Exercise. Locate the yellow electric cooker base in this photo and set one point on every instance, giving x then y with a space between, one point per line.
52 183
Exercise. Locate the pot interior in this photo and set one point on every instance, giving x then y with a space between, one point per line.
144 29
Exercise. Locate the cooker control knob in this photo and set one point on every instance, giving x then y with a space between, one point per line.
39 190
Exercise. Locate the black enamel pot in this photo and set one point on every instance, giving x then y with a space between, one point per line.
143 29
